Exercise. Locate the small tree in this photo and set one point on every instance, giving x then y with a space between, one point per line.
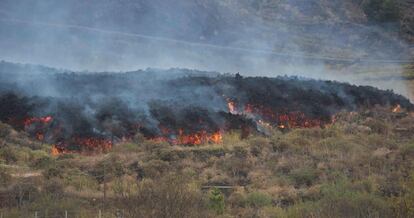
257 200
216 202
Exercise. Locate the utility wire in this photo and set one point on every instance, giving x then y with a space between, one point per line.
206 45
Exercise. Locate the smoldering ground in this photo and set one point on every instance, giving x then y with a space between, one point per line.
179 106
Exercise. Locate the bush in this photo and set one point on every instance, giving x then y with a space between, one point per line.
108 169
204 154
43 162
404 205
155 169
304 176
80 181
8 154
407 151
22 193
216 201
5 177
53 172
342 200
258 199
378 126
170 196
5 130
54 189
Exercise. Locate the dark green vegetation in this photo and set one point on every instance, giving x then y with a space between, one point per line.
361 166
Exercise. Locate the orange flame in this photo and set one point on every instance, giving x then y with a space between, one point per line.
95 144
54 151
32 120
197 138
86 144
269 117
397 109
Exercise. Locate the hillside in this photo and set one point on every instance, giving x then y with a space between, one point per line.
207 108
187 143
361 166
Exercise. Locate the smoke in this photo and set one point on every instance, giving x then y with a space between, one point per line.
302 38
179 106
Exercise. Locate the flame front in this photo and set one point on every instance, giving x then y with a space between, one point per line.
44 120
200 133
397 109
55 151
197 138
266 116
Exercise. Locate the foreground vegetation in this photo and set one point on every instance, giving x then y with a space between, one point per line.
361 166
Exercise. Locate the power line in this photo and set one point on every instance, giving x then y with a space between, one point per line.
207 45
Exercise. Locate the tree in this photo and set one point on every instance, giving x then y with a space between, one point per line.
216 201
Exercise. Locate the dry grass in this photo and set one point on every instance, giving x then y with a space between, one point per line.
294 174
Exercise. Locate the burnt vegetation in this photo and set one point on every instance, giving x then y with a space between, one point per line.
84 111
185 144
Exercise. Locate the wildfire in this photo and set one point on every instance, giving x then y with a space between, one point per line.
397 109
86 145
44 120
266 116
94 144
37 126
55 151
197 138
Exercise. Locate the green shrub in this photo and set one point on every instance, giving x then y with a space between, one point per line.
403 206
168 196
216 201
407 151
52 172
205 153
80 181
280 146
304 176
5 177
43 162
240 152
131 146
5 130
22 193
155 168
258 199
107 169
54 188
9 155
341 199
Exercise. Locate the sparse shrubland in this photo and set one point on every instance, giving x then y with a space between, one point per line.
361 166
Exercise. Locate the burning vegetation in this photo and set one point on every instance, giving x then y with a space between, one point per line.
180 110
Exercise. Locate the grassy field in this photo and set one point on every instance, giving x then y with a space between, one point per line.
361 166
